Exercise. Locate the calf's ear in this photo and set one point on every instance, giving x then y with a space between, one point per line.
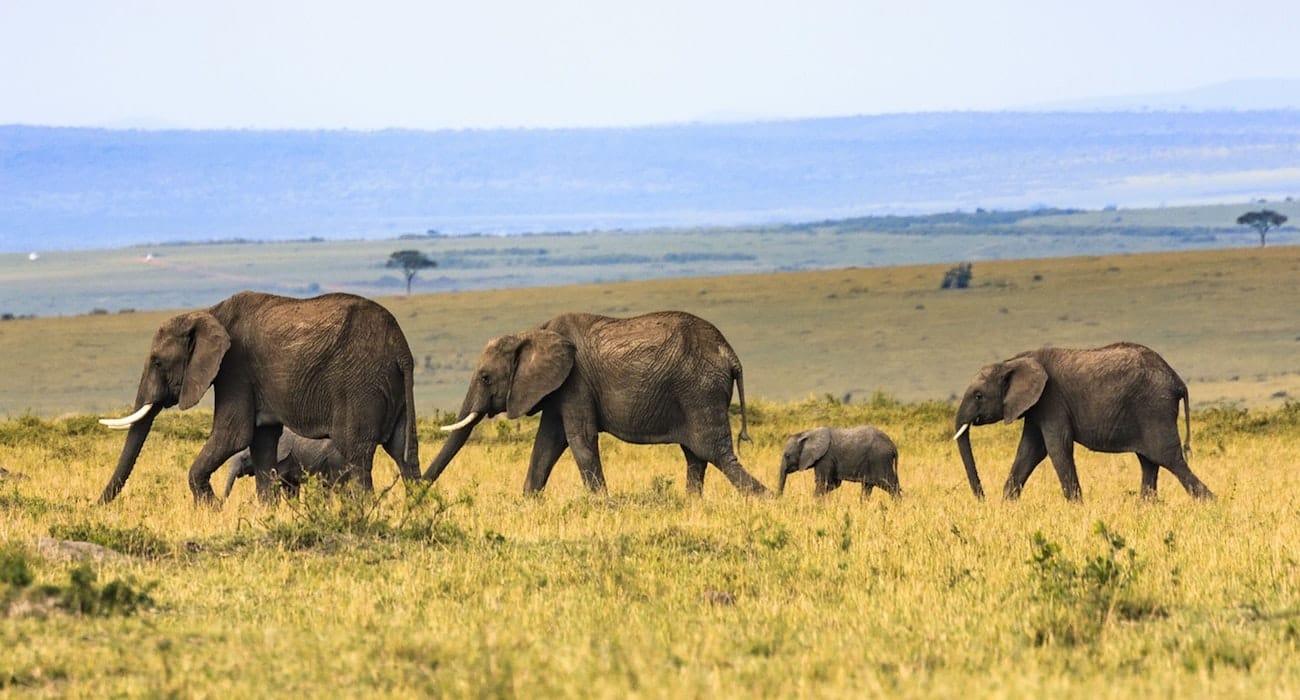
815 444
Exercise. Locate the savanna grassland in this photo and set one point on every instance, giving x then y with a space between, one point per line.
471 589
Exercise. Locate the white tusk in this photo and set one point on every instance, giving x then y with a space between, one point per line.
462 423
126 421
961 430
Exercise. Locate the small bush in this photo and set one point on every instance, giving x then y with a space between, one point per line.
80 597
957 277
15 570
1078 601
83 597
323 519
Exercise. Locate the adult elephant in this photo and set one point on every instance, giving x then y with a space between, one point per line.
1118 398
333 366
659 378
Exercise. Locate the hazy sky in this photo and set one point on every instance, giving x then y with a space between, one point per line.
486 63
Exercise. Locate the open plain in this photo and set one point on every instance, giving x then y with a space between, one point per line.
471 589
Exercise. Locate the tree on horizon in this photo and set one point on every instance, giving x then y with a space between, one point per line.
1261 221
411 262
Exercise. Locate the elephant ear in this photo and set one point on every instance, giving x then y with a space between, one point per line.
815 444
208 344
283 448
1026 379
542 363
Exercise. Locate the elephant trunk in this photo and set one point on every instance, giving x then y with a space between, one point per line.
240 465
780 481
135 438
891 483
470 415
968 458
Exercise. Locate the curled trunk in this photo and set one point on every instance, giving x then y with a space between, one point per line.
135 438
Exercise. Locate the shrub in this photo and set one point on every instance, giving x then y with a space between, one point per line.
1078 601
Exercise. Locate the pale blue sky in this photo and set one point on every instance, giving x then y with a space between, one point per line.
489 63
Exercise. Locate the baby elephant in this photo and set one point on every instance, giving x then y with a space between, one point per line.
295 458
863 454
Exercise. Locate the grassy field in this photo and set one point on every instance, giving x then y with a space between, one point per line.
475 590
472 589
1225 319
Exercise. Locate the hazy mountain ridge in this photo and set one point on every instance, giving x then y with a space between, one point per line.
78 188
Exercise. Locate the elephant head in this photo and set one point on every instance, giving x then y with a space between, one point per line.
514 374
1003 391
183 361
801 452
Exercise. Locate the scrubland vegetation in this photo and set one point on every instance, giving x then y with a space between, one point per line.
471 589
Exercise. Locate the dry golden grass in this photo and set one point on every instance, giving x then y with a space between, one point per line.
648 592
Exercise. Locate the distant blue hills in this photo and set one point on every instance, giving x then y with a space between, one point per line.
68 188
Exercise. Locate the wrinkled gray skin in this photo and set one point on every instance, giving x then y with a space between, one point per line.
296 457
861 454
333 366
1119 398
660 378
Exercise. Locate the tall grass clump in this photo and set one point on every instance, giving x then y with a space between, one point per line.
1078 600
323 518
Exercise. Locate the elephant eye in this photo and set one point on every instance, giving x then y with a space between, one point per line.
485 378
979 396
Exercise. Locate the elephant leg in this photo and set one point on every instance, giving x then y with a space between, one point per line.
695 466
1150 471
1174 461
824 480
736 474
359 462
866 490
586 452
551 442
1029 455
1061 451
397 450
226 440
265 439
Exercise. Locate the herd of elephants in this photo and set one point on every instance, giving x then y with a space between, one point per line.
313 386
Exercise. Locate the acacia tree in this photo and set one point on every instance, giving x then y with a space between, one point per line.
411 262
1261 221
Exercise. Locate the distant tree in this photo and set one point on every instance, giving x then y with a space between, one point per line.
1261 221
411 262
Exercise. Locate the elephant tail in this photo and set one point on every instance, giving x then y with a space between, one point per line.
738 376
410 466
1187 422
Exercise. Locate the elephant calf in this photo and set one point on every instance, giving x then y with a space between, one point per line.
863 454
295 458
